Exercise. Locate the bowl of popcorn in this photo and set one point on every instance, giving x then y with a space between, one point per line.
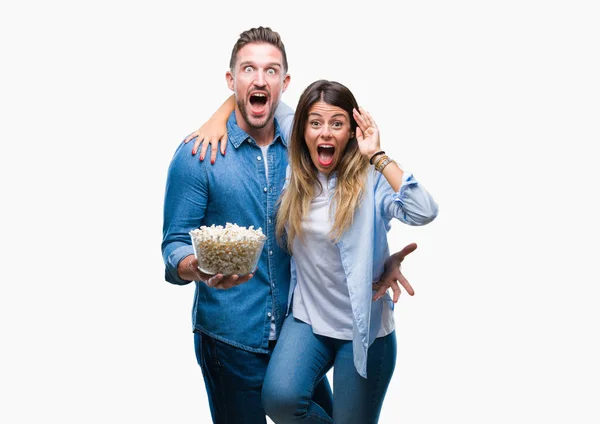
227 250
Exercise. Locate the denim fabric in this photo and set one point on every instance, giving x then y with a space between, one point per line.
302 358
412 205
234 378
234 190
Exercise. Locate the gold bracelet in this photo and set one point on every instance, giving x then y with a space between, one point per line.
381 158
382 164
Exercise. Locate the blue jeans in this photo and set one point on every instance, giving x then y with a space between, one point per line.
301 358
234 378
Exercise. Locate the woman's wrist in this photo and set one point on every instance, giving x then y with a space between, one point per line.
375 155
381 162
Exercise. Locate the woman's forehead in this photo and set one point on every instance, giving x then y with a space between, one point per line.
325 109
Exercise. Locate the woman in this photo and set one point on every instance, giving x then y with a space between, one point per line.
335 211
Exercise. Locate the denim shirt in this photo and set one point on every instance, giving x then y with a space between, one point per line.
235 190
412 205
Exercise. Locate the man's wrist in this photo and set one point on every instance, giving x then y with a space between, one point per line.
185 269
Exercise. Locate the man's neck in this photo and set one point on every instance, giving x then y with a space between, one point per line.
263 136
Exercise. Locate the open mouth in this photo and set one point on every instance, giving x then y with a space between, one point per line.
258 99
325 153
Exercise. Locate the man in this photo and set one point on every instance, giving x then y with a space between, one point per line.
235 329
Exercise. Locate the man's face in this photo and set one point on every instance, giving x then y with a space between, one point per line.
258 81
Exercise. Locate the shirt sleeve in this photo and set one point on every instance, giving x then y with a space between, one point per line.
185 201
285 117
412 204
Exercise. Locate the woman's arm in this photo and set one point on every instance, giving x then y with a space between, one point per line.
214 130
402 197
367 135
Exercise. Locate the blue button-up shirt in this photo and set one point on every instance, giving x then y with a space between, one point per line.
236 190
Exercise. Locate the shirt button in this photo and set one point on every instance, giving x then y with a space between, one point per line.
258 158
270 221
265 189
269 314
270 252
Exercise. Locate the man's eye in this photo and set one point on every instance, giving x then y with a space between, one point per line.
271 71
248 69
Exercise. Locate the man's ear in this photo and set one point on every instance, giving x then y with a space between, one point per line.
286 81
230 80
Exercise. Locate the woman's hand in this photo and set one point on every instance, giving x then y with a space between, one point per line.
367 133
210 133
392 275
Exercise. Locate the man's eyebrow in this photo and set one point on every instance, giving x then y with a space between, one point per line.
268 65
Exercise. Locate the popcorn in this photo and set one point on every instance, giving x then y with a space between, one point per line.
229 250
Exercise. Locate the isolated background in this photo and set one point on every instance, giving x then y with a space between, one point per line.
493 105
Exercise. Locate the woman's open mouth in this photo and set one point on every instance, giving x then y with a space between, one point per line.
325 153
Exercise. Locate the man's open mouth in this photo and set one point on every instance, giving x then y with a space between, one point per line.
258 99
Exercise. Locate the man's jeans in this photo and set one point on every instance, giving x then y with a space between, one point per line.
234 378
302 358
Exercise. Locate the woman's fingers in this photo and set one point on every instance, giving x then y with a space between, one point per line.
381 289
191 136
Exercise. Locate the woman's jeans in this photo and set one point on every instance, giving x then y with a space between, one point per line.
234 380
301 359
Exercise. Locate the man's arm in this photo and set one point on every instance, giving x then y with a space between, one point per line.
186 195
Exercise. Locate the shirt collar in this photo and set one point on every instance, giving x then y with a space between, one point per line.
329 180
237 136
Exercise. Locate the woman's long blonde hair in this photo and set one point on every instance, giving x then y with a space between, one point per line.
351 170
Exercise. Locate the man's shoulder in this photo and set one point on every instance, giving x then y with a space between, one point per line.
184 160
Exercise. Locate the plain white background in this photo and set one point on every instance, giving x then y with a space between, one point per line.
493 105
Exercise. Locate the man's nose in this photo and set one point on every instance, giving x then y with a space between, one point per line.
260 79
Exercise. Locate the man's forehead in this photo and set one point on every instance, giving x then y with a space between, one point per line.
260 54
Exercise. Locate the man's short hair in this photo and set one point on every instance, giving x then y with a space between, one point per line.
258 35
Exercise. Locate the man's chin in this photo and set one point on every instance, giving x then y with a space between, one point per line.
258 122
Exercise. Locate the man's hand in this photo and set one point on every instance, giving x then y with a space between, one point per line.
220 281
188 270
392 275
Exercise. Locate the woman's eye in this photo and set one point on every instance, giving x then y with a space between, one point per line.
314 123
338 124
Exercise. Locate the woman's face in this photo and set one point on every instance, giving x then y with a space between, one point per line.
326 134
